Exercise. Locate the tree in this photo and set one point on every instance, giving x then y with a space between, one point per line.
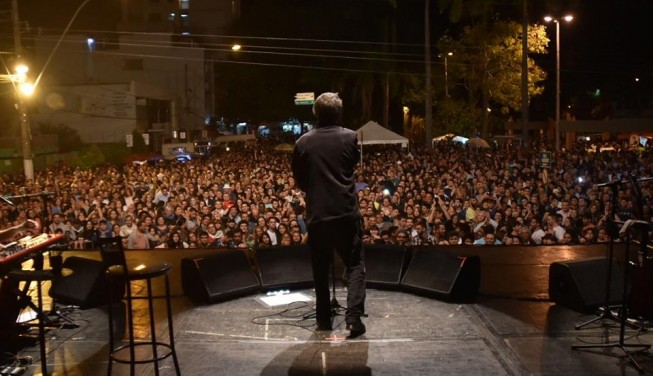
69 139
89 157
259 81
487 64
138 142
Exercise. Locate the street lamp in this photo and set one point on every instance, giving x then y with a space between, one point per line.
24 90
446 75
566 18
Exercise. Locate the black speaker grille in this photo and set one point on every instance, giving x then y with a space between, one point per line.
384 265
86 287
285 267
218 276
438 273
580 284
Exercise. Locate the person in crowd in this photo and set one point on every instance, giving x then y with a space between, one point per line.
264 241
129 226
489 239
103 230
554 227
139 239
174 241
273 231
204 240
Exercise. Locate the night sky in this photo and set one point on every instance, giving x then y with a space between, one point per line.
606 47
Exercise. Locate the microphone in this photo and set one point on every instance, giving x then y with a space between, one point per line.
635 223
7 201
28 195
612 183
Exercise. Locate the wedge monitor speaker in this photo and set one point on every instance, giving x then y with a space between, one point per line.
440 274
219 276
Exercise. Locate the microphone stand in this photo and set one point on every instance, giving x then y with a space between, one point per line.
623 318
605 311
334 302
8 199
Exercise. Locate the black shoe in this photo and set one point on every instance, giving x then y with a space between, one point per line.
356 328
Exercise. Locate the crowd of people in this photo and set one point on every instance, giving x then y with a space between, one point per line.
247 198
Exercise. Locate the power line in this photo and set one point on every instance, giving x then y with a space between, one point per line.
227 48
259 63
246 37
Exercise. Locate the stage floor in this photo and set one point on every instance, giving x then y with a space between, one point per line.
406 335
510 329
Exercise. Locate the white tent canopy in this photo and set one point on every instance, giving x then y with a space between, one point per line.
374 134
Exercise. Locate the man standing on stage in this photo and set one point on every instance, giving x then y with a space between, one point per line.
323 165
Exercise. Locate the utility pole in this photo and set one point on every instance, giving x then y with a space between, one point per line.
428 116
26 137
524 76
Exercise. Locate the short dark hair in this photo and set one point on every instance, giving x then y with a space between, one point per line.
328 109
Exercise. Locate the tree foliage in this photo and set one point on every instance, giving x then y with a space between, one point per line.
487 62
69 139
454 116
90 157
485 70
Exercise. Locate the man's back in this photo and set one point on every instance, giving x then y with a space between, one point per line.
323 164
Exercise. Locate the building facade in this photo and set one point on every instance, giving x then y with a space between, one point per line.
154 75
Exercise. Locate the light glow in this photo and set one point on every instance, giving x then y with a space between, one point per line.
27 89
22 69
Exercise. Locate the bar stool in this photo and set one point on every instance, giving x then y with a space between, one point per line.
113 256
39 276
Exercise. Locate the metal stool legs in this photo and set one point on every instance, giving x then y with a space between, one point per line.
132 344
41 317
38 276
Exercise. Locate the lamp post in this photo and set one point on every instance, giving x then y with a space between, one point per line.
23 92
406 117
446 75
428 100
566 18
25 88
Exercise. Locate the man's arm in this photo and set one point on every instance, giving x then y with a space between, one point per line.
298 170
8 234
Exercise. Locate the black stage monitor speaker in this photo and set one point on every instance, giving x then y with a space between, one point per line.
83 283
385 265
285 267
580 284
440 274
219 276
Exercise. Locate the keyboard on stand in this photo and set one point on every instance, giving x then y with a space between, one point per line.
26 247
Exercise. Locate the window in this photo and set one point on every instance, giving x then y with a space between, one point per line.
132 64
154 17
184 4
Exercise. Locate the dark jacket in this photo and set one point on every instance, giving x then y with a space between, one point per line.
323 165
